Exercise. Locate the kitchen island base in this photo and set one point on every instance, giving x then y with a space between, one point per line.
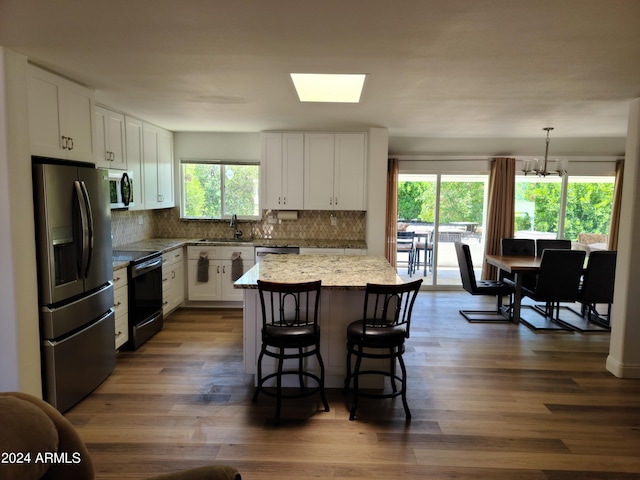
338 308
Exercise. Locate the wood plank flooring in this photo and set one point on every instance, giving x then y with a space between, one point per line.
488 402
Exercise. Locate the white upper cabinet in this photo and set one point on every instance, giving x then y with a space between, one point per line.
334 171
157 167
282 170
61 117
133 143
110 139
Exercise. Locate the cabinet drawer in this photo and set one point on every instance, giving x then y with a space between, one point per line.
194 252
120 278
121 301
173 256
122 331
225 253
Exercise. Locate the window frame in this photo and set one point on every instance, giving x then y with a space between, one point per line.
223 163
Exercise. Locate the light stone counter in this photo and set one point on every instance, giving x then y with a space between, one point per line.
336 271
343 280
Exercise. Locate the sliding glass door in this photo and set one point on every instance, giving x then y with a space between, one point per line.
441 209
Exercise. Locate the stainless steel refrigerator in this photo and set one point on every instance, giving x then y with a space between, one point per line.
75 272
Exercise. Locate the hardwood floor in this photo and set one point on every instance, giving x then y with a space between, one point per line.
488 402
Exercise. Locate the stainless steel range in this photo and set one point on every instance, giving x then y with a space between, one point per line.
145 294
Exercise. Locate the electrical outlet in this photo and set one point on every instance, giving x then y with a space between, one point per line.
140 220
334 220
272 219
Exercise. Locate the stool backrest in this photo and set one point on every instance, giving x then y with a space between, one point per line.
389 306
289 304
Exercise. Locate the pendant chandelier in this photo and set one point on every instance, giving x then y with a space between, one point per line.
541 168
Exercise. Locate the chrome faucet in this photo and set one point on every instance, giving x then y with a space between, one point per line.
234 224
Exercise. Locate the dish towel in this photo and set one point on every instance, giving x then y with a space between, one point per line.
236 266
203 268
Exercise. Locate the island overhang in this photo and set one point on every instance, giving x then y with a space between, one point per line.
340 272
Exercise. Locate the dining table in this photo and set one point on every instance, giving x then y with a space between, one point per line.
518 266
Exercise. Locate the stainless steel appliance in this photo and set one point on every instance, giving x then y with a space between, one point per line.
261 252
73 237
145 295
120 189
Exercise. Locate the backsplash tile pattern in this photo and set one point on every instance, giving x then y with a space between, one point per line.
129 227
166 223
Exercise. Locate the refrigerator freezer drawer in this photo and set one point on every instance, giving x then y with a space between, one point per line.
63 319
75 366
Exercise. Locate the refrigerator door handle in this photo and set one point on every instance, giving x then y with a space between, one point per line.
87 201
84 228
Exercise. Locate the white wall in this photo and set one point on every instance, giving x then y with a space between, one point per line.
216 145
19 330
377 190
624 354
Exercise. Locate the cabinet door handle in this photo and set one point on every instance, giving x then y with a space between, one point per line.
224 269
279 203
330 200
336 202
173 274
70 143
65 142
218 268
285 200
117 305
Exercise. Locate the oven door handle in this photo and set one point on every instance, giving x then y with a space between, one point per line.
146 267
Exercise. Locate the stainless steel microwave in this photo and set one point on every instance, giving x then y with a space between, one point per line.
121 185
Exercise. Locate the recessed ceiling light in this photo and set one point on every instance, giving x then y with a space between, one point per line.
325 87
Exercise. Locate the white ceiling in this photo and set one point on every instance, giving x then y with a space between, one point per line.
441 72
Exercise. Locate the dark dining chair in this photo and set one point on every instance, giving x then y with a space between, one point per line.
290 331
558 281
494 288
405 243
597 286
517 247
380 334
520 247
557 244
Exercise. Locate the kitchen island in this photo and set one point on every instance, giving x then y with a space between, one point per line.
344 279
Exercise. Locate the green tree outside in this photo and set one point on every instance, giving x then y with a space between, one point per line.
460 201
204 185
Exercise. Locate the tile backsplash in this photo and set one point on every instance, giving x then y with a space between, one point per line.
128 227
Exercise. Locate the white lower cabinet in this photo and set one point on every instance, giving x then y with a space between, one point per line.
210 272
172 280
121 305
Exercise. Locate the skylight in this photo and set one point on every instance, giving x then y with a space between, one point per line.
325 87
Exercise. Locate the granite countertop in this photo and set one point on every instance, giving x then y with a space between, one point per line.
165 244
351 272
